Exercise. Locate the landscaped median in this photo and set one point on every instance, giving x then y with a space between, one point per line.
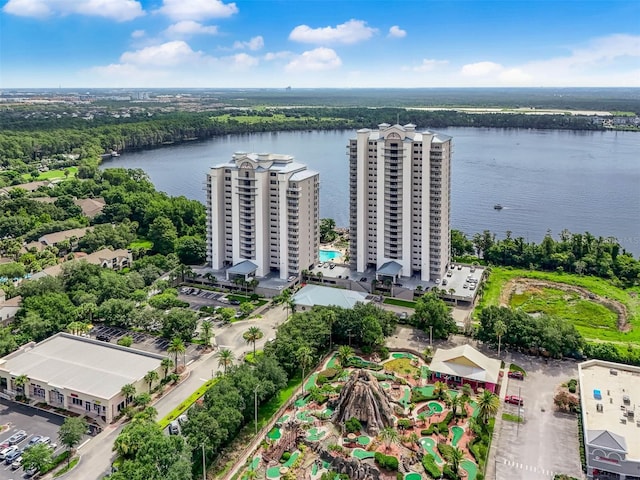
184 406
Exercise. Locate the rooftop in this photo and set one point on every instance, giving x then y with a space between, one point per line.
327 296
56 237
80 364
467 362
607 425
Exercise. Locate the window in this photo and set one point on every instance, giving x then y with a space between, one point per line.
76 401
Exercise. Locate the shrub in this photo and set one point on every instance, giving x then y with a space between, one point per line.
447 419
285 456
387 462
384 353
573 383
353 425
444 449
448 473
125 341
404 423
326 375
429 464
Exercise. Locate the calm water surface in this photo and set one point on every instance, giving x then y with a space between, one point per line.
546 180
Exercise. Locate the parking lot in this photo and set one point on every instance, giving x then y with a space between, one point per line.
547 442
17 417
197 298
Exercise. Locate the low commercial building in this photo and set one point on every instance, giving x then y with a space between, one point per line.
610 409
106 258
464 364
311 295
77 374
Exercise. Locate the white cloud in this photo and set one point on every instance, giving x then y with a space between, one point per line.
167 54
244 60
427 65
138 34
514 76
189 27
197 9
397 32
283 55
256 43
119 10
481 69
353 31
315 60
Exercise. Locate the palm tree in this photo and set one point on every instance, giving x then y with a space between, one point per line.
21 382
454 457
499 328
440 389
225 359
467 391
388 435
87 310
414 440
206 332
304 357
488 405
252 335
344 354
151 377
128 391
166 365
176 347
456 401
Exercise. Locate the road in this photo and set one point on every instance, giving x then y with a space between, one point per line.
97 455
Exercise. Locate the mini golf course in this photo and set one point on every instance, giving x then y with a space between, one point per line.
274 434
471 469
362 454
457 435
413 476
429 445
404 355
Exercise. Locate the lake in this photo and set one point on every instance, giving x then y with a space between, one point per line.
545 179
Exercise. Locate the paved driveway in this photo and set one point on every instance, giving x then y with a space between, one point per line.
547 443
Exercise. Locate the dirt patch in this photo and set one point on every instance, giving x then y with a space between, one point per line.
521 285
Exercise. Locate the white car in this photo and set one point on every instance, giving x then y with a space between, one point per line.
7 451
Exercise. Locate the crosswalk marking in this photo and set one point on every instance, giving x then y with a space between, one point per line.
528 468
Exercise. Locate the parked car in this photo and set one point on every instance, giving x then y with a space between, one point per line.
17 437
32 441
30 472
7 451
103 338
402 316
17 463
234 302
174 429
182 419
4 445
514 400
516 374
11 457
45 440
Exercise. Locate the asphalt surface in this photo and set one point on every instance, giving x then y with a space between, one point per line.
547 442
97 454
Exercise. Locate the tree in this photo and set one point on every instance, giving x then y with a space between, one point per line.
246 308
71 432
225 359
151 377
467 391
454 456
252 335
488 405
21 382
143 400
181 323
38 456
176 347
344 354
163 234
500 328
226 313
166 365
206 333
327 230
431 313
389 435
304 356
191 250
128 391
440 389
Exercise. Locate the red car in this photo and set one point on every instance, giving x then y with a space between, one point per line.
516 374
514 400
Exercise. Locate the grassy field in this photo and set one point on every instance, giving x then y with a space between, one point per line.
593 320
141 243
276 117
399 303
52 175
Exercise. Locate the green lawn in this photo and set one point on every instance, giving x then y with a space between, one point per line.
52 174
180 409
512 418
141 243
591 319
400 303
267 410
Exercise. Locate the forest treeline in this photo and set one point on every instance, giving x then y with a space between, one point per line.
25 140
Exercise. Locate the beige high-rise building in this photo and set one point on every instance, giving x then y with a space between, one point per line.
400 183
263 216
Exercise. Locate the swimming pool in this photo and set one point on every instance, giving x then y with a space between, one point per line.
328 255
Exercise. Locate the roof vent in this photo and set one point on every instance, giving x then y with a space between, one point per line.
613 372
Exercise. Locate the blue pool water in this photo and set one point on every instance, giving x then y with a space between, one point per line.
328 255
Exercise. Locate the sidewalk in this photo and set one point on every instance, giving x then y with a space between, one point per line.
491 470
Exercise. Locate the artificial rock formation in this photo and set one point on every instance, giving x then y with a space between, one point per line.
362 397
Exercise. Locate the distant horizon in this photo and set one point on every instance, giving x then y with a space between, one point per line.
313 44
290 87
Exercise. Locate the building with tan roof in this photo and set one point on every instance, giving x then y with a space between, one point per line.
465 364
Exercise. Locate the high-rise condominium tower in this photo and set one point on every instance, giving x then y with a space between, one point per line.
263 208
400 181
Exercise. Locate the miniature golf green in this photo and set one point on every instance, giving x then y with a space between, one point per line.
457 435
413 476
303 417
292 459
429 445
283 419
274 434
301 402
255 462
273 472
453 393
362 454
311 382
403 355
364 440
471 469
435 407
476 410
406 398
426 391
333 361
328 411
315 434
385 385
314 469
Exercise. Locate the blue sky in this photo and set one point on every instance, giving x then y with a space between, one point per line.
309 43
